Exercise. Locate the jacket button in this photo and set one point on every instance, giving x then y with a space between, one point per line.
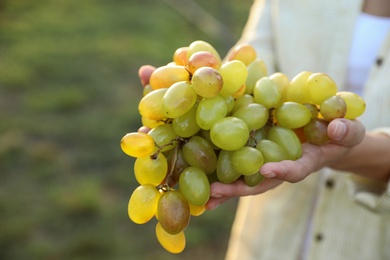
319 237
379 61
329 183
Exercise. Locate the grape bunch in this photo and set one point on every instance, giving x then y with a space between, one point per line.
205 119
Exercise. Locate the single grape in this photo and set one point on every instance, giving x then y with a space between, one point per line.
178 99
150 170
267 92
243 52
229 133
234 75
207 82
320 86
355 104
230 101
254 179
271 151
242 101
165 76
174 244
200 45
258 135
137 144
283 84
176 165
198 152
254 115
225 171
297 90
288 140
292 115
333 107
203 59
194 186
173 212
197 210
143 203
150 106
186 125
256 70
210 110
180 56
247 160
164 136
316 131
313 109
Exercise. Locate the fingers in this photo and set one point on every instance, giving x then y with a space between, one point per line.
144 73
346 132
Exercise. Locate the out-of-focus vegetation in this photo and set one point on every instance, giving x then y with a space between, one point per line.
68 93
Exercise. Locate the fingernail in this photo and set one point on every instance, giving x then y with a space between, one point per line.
340 130
268 174
212 207
216 196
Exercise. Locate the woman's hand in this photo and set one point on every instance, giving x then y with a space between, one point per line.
344 134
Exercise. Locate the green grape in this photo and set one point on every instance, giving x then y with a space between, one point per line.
165 76
267 92
207 82
164 137
194 186
143 203
355 104
186 125
200 45
271 151
254 179
313 109
254 115
316 131
210 110
256 70
247 160
229 133
234 75
242 101
287 139
151 170
198 152
319 87
258 135
292 115
137 144
206 135
174 244
333 107
178 99
202 59
150 106
225 171
173 212
230 101
297 90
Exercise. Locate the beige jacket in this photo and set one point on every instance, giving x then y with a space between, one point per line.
350 217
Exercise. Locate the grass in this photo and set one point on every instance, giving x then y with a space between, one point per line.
68 93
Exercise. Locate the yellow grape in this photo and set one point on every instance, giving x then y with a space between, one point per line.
297 90
197 210
150 170
180 56
282 82
256 70
207 82
165 76
234 74
320 86
150 106
143 203
137 144
151 123
174 244
243 52
267 92
178 99
203 59
355 104
200 45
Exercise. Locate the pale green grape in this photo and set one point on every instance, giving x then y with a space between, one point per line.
198 152
292 115
247 160
234 75
333 107
143 203
210 110
254 179
186 125
174 244
287 139
297 90
150 106
230 101
256 70
151 170
355 104
229 133
178 99
194 186
320 86
254 115
267 92
225 171
164 135
242 101
271 151
207 82
137 144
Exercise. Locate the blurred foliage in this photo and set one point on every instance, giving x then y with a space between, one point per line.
68 93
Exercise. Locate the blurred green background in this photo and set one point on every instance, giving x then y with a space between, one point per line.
69 91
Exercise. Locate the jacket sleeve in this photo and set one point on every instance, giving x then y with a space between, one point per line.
374 195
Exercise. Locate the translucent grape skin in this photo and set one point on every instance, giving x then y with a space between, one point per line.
150 106
316 131
247 160
320 86
194 186
137 144
267 92
210 110
143 203
229 133
150 170
174 244
173 212
234 74
292 115
297 90
178 99
333 107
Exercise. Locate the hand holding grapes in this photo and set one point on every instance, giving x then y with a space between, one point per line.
345 134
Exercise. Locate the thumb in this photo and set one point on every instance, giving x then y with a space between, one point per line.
346 132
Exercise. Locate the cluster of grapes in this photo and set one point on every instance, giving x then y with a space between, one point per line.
211 120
